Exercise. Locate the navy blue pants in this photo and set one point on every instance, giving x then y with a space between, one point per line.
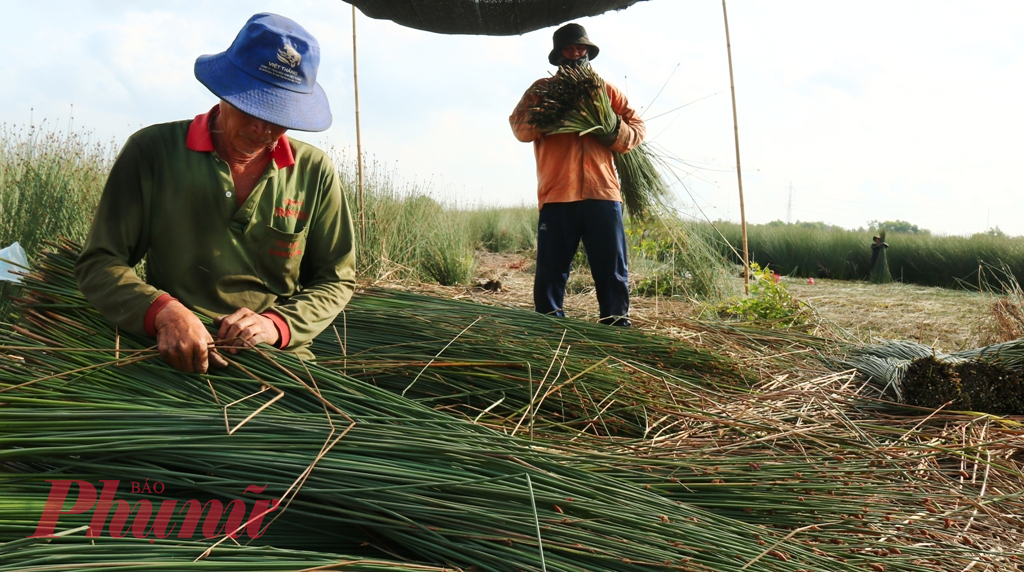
599 225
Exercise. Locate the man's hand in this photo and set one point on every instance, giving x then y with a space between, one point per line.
609 139
183 341
244 327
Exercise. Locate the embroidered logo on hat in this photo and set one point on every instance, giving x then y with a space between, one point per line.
288 55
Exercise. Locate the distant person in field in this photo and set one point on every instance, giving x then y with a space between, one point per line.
234 219
578 193
879 269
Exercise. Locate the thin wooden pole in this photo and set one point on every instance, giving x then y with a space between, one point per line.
739 171
359 138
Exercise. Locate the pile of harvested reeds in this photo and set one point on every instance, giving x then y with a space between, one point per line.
519 370
357 468
75 552
788 472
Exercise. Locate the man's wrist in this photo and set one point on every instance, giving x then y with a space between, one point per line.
149 322
283 332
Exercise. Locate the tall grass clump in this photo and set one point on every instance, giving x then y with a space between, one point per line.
1007 309
508 229
447 253
801 251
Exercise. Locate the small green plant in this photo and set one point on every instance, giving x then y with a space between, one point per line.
770 304
659 280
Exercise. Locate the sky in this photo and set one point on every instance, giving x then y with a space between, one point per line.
848 112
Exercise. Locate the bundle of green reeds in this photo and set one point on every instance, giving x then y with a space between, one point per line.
643 188
576 100
988 379
932 383
573 101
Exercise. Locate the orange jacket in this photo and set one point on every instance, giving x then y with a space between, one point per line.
572 168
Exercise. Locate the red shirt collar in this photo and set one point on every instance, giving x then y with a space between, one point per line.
199 139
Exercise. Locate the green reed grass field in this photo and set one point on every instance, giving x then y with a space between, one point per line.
50 183
922 259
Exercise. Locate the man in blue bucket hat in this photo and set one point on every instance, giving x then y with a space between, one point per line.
234 219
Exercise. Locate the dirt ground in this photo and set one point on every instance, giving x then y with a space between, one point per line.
948 320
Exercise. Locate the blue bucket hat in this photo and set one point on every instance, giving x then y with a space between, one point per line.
269 72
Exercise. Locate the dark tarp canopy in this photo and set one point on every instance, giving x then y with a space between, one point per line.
485 17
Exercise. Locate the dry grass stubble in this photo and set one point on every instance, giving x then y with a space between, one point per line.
948 320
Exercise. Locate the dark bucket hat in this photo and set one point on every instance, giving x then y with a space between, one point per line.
568 35
269 72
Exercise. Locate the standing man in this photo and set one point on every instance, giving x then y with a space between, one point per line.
578 193
234 219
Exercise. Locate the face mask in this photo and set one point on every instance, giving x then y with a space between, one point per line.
585 60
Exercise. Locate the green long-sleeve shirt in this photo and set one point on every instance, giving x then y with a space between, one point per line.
288 248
